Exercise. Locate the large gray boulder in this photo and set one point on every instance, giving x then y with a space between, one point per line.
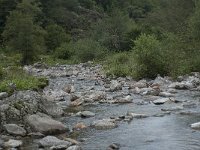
50 141
15 129
45 124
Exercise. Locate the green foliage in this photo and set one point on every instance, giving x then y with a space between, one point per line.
22 80
1 73
81 51
148 57
88 49
65 51
22 34
120 64
112 31
194 22
56 35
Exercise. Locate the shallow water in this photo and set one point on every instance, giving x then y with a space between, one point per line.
171 132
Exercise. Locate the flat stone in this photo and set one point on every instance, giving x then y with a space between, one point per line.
161 101
177 108
59 147
137 116
166 94
45 125
15 129
50 141
36 135
87 114
13 143
104 124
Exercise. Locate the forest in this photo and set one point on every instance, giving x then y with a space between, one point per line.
137 38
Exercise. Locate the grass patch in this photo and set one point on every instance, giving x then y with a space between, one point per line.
22 80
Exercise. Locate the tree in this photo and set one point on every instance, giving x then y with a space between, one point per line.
21 32
112 31
195 22
5 7
56 35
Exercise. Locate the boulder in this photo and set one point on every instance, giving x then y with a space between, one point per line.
3 95
52 109
15 129
115 85
13 143
50 141
45 124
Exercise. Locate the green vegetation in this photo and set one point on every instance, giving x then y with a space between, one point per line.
138 38
23 81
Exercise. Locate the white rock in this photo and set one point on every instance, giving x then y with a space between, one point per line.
138 116
13 143
104 124
195 126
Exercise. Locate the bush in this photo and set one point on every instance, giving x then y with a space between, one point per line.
148 57
87 49
120 64
81 51
65 51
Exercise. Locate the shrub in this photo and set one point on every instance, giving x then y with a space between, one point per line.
65 51
81 51
87 49
148 57
119 64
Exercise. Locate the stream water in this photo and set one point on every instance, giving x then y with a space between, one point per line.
153 133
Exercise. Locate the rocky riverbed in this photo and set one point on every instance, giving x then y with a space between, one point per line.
83 109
